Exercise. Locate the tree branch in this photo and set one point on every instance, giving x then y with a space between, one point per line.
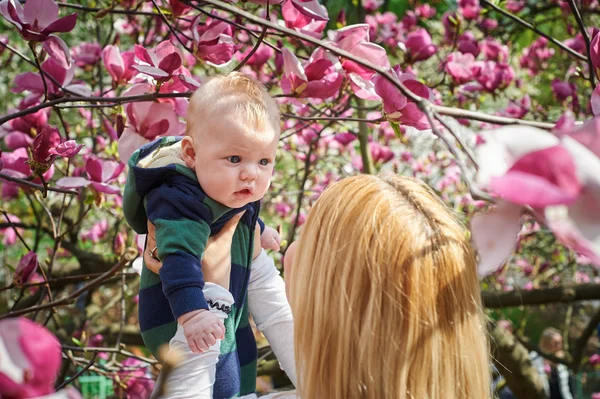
586 38
564 294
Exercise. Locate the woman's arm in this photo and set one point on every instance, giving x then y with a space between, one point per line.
271 311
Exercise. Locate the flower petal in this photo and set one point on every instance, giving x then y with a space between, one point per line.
72 182
495 236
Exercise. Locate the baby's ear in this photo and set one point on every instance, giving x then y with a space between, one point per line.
187 151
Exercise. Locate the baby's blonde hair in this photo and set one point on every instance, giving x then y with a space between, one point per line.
234 95
386 298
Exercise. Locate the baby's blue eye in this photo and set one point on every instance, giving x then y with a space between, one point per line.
264 162
234 159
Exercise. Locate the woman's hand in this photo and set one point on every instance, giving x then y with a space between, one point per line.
216 262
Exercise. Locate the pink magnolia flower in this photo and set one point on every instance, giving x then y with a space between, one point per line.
536 56
96 232
26 267
596 395
425 11
178 8
517 109
137 379
296 20
345 138
461 67
515 6
9 234
492 75
409 21
419 45
468 44
397 106
577 43
259 58
31 359
595 50
494 51
47 146
31 81
213 41
470 9
488 24
147 121
595 359
450 21
318 78
371 5
3 40
16 165
160 62
19 130
563 90
119 65
87 54
311 9
100 172
555 176
37 19
380 153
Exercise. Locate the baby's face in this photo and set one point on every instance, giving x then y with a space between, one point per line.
234 163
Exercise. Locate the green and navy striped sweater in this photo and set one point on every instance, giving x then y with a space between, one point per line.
171 198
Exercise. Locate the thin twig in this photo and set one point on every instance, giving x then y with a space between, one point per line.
258 42
80 372
126 258
36 186
164 17
583 340
15 229
536 30
586 38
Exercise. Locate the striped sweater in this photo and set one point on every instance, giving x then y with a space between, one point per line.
171 198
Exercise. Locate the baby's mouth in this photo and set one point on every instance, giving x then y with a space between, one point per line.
244 192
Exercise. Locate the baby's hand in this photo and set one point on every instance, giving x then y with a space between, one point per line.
270 239
202 329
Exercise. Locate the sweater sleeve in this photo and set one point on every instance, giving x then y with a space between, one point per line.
182 223
271 311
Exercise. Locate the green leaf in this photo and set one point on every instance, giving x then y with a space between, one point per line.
77 342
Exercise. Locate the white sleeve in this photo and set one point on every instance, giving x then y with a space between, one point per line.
271 311
195 376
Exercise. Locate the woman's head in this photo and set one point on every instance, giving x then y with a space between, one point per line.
551 341
385 296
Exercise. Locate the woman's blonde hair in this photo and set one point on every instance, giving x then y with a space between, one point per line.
237 95
386 298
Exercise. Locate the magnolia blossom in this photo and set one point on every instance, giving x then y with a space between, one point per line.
47 146
31 81
86 54
355 40
556 177
494 50
19 130
461 67
119 65
137 380
515 6
492 75
263 54
146 121
318 77
397 106
425 11
563 90
213 41
467 43
595 50
298 21
470 9
311 9
25 269
160 62
536 56
31 359
419 45
36 19
100 173
16 165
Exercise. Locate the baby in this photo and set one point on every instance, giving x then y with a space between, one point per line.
188 188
